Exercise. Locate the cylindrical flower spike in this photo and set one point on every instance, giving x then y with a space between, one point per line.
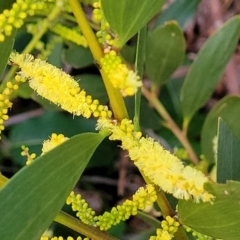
141 199
58 87
159 165
79 205
70 34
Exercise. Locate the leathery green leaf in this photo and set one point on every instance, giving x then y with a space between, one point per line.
208 67
180 11
35 195
228 110
126 17
165 51
228 155
219 220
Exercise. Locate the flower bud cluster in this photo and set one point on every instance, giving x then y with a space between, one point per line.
104 35
141 199
169 227
119 74
69 34
79 205
30 156
5 100
14 18
197 235
61 238
58 87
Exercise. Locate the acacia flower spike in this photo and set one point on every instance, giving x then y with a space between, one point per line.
159 165
57 86
141 199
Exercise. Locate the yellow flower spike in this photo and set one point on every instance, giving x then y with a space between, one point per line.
159 165
56 86
70 34
79 205
129 207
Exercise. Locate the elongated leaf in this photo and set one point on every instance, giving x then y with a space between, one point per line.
126 17
228 154
34 196
221 219
164 52
181 11
208 67
229 110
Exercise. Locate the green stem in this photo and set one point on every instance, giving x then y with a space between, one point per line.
166 209
116 100
45 24
76 225
164 205
170 124
139 66
162 201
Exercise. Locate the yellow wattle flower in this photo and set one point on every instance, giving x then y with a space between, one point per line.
159 165
70 34
57 86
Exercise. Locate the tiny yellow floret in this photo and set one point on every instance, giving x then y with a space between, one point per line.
53 142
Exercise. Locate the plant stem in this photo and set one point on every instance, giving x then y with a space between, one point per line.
164 205
45 24
139 66
76 225
162 201
170 124
116 100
